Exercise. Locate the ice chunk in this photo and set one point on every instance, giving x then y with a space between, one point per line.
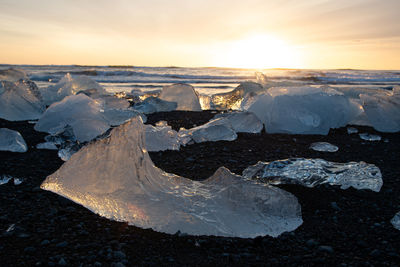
370 137
118 116
302 110
183 94
47 145
4 179
383 111
214 130
312 172
233 99
20 100
69 85
161 138
116 178
82 113
242 122
154 104
323 147
396 221
13 75
352 130
12 141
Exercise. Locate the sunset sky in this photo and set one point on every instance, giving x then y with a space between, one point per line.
362 34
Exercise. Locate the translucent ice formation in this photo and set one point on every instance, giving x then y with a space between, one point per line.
323 147
242 122
12 141
116 178
154 104
161 138
80 112
383 110
20 100
370 137
214 130
183 94
233 99
69 85
13 75
396 221
47 145
312 172
302 110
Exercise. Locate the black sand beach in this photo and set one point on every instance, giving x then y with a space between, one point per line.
341 227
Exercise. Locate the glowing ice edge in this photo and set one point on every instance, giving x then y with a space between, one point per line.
116 178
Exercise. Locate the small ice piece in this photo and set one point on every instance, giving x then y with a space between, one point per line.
312 172
214 130
154 104
68 150
161 123
12 141
396 221
323 147
233 99
161 138
47 145
352 130
81 112
370 137
242 122
69 85
4 179
183 94
116 178
18 181
20 100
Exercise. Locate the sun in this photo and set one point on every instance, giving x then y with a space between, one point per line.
258 52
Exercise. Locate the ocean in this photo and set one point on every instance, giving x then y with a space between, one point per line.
207 80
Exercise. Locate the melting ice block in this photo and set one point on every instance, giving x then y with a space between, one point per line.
312 172
183 94
69 85
370 137
161 138
215 130
116 178
12 141
20 100
396 221
302 110
154 104
233 99
323 147
383 110
81 112
242 122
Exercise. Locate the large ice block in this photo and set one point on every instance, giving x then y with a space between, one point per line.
233 99
20 100
312 172
11 140
242 121
69 85
302 110
183 94
383 110
116 178
82 113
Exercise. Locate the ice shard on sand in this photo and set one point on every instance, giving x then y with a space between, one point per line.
116 178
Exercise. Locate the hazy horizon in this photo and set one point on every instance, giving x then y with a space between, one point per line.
316 34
